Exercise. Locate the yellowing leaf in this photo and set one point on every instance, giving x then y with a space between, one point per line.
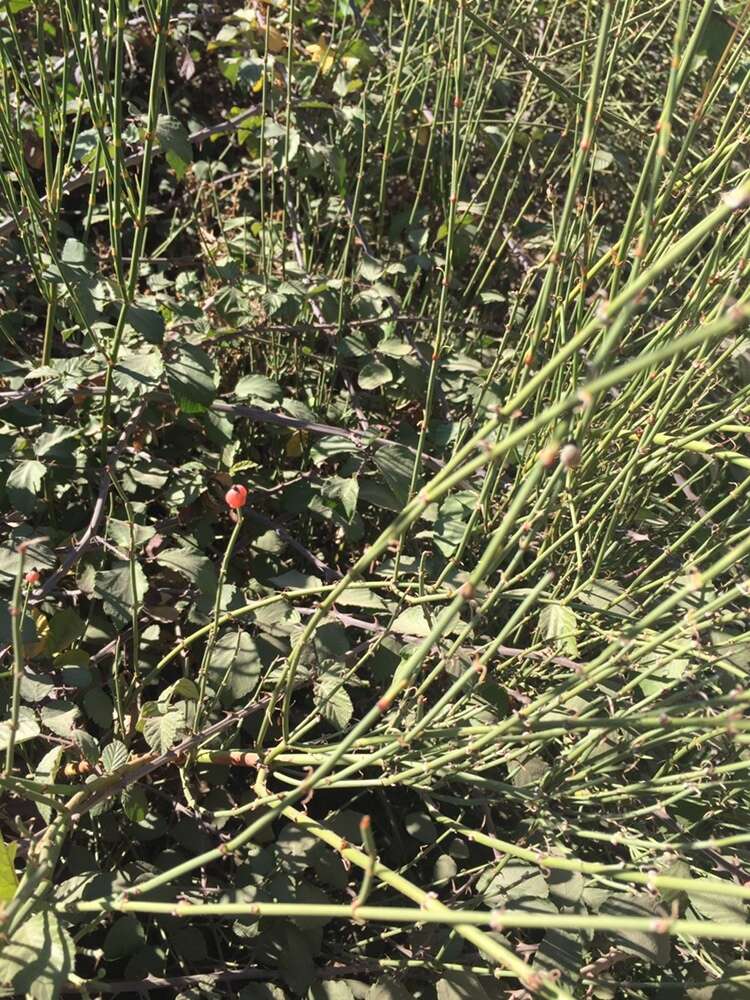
321 52
296 443
32 649
8 877
276 41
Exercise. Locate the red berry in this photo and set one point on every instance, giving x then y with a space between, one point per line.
32 577
236 496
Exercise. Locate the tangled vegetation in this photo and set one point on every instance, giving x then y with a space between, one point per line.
375 437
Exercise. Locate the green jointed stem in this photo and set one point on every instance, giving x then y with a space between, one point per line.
455 182
493 920
16 610
681 248
213 633
139 221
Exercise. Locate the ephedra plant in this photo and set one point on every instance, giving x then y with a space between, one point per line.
374 434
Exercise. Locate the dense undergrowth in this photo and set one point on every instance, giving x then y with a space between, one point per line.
454 707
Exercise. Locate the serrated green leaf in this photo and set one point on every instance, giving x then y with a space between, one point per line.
294 580
237 661
192 378
513 881
36 687
98 706
715 906
333 702
46 773
60 718
645 945
124 937
341 494
193 565
148 322
27 728
29 634
86 743
607 595
393 347
460 985
295 842
120 533
329 646
565 886
530 772
139 372
260 388
38 555
414 621
75 252
676 869
162 729
717 35
24 483
190 944
602 159
330 990
134 803
395 463
173 139
38 959
561 950
114 756
65 627
560 626
75 668
261 991
666 673
182 688
296 963
58 445
115 590
361 597
8 877
388 989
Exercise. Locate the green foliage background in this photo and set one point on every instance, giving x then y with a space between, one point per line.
455 707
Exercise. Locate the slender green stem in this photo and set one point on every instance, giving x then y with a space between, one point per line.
213 632
16 610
